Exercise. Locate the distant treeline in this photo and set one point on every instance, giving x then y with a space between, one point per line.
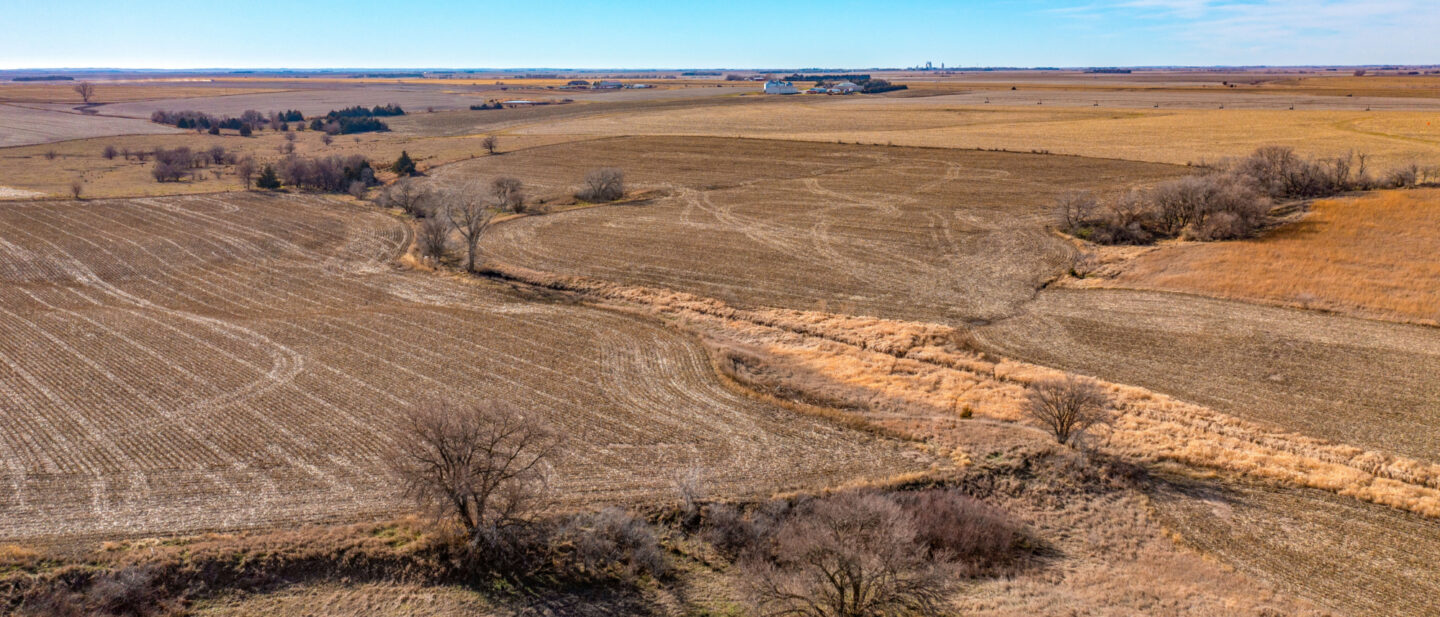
338 122
249 121
388 76
45 78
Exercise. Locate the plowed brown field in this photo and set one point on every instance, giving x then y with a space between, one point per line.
182 364
927 235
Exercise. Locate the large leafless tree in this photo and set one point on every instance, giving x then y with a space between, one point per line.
86 90
480 465
470 216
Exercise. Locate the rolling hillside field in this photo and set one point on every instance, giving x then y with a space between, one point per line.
177 365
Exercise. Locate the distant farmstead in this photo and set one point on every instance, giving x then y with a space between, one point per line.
780 87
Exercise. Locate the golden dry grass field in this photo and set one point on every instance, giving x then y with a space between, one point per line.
1374 256
180 364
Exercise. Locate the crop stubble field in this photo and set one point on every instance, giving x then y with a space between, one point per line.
205 362
930 235
1112 130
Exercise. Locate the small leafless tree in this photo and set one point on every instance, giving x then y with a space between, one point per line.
604 184
77 187
491 144
1068 407
479 465
408 195
109 152
217 154
1076 208
326 138
854 555
86 90
509 193
245 170
469 215
434 238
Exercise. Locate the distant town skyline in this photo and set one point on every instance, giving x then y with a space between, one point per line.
741 34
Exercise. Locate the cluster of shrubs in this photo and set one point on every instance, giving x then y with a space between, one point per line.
492 104
172 165
1232 200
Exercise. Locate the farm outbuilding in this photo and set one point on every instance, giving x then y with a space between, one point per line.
780 87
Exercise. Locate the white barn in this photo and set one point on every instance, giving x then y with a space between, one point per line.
780 87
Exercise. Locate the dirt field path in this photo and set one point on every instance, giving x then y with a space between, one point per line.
182 364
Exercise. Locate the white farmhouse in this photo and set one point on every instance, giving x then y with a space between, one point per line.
780 87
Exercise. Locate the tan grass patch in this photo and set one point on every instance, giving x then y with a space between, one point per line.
1372 256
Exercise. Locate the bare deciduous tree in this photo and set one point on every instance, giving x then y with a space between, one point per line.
1068 407
480 465
853 555
434 238
1076 208
604 184
408 195
86 90
509 193
77 187
491 144
468 214
245 170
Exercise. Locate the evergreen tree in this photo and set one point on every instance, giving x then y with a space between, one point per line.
403 166
268 180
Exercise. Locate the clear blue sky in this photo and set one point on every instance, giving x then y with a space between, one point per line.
736 33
